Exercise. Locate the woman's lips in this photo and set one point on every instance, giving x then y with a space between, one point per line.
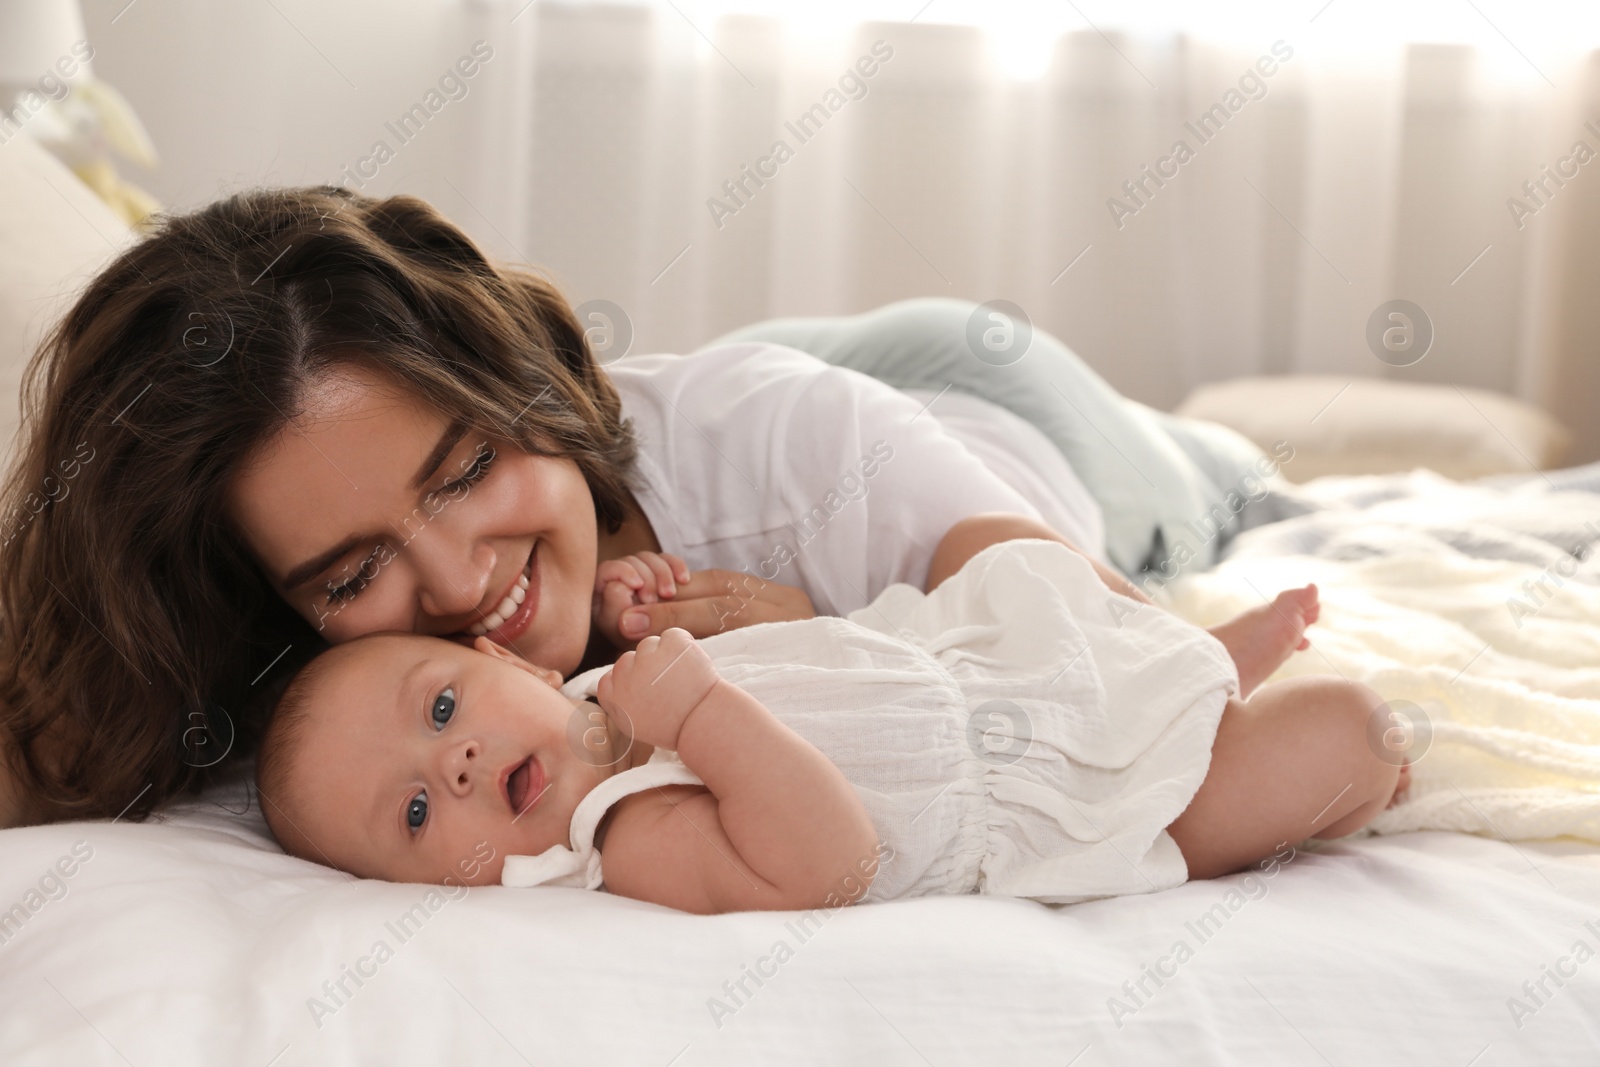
513 624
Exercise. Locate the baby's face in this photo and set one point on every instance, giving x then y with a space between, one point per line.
424 760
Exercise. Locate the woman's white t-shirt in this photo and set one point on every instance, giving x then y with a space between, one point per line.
762 458
1019 454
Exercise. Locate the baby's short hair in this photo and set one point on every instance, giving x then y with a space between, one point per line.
280 744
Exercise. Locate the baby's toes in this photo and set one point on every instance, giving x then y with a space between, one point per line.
1306 603
1290 606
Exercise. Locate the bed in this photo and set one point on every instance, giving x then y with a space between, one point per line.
193 939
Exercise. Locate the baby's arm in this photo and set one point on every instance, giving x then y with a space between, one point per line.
778 827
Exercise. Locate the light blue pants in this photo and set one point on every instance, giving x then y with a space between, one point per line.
1161 480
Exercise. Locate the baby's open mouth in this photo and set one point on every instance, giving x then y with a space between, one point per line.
524 786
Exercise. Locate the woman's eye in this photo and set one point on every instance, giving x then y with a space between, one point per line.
346 592
444 706
417 811
475 473
343 594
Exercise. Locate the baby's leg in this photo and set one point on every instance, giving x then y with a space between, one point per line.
1292 762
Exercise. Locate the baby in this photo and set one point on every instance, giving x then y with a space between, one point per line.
1020 730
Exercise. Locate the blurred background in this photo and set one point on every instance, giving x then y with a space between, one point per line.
1339 154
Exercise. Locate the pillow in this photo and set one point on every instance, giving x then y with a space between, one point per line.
1380 427
55 234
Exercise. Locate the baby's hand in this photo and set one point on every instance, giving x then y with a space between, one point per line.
655 687
643 578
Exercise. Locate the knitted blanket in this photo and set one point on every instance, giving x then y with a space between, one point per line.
1493 663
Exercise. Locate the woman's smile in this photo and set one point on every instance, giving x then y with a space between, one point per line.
516 607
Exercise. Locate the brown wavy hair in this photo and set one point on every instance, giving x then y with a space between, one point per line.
135 625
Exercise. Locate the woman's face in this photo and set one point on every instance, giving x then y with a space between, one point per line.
370 513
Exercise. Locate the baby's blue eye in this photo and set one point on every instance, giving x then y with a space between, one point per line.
444 706
417 811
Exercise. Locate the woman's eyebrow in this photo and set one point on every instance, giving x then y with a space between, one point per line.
312 567
449 439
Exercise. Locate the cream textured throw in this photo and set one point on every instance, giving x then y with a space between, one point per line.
1502 657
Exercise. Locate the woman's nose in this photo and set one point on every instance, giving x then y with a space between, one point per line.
450 580
463 766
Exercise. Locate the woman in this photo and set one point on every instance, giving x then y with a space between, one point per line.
298 416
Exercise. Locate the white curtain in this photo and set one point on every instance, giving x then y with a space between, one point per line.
1376 162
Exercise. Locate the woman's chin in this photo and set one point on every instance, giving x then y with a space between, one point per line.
560 654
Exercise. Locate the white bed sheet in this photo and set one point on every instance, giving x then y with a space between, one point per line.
194 940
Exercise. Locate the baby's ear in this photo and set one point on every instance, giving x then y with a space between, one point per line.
544 674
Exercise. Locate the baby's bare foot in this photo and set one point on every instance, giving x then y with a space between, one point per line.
1260 640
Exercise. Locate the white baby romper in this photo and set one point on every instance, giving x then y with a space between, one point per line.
1021 730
